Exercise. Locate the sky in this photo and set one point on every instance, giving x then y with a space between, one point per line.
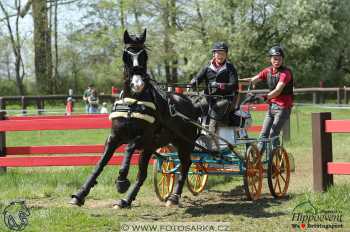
67 14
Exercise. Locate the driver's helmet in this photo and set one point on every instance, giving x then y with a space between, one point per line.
276 51
219 46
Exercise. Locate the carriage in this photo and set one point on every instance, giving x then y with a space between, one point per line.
238 155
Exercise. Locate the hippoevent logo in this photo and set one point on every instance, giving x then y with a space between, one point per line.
16 215
306 216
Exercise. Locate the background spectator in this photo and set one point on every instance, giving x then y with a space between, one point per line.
86 96
69 106
104 109
93 102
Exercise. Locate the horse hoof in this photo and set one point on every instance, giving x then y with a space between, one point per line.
76 201
171 204
122 204
172 201
122 185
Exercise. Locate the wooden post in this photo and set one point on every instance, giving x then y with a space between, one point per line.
322 151
286 131
2 143
40 105
2 104
321 95
338 96
346 100
314 97
322 98
24 105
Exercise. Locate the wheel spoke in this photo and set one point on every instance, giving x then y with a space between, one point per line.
281 162
168 181
197 181
167 167
279 185
162 188
284 180
165 185
251 186
192 178
161 180
274 187
256 190
276 161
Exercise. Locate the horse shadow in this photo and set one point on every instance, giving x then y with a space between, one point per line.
233 202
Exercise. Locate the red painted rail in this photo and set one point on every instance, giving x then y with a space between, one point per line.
57 116
63 123
35 161
64 149
337 126
55 124
338 168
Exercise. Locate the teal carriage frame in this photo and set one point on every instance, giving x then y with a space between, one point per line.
241 158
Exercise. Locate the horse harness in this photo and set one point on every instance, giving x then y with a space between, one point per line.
132 108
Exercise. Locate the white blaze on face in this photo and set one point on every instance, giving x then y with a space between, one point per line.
137 84
135 60
135 57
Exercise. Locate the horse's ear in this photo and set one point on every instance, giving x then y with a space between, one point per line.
143 37
127 38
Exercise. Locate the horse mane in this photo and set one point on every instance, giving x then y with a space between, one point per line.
164 100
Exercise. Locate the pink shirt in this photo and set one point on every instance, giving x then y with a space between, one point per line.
285 101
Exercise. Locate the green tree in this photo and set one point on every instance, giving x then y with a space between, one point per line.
14 38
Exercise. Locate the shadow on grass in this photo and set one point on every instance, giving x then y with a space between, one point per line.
234 203
218 180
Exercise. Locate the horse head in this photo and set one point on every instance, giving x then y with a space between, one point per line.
135 62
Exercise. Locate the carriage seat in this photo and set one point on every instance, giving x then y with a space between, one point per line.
235 127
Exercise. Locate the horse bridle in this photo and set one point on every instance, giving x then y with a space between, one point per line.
132 53
136 46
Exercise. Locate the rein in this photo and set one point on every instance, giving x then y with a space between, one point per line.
174 113
187 119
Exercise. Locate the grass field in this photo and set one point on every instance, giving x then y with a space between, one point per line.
47 190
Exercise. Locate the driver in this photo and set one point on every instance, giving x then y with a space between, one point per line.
279 79
221 80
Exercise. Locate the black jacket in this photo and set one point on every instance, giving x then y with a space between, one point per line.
226 74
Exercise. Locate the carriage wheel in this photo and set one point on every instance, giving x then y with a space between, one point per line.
278 172
163 182
197 181
253 175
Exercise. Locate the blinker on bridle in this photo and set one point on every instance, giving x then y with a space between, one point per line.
134 46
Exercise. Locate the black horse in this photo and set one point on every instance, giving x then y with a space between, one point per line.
142 119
